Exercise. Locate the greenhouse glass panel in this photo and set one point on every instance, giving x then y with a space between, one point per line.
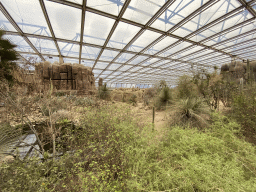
143 70
31 57
149 62
125 57
126 67
65 20
194 52
175 49
22 45
101 65
108 6
114 66
138 60
69 60
5 24
222 26
214 12
87 63
28 15
135 69
69 49
175 13
163 44
96 28
44 46
141 11
90 52
145 39
189 51
76 1
116 73
122 35
97 72
108 55
52 59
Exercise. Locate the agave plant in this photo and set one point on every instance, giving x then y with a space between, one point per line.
193 111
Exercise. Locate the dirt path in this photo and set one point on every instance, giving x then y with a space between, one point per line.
146 116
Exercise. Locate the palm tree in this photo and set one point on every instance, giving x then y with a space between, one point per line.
9 136
7 56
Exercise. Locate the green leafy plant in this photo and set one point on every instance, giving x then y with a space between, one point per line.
103 92
60 93
186 88
163 98
243 110
8 138
8 55
133 100
192 111
85 101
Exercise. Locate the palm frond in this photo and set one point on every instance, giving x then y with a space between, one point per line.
9 137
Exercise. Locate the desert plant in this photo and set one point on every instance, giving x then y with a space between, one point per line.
163 98
85 101
104 92
243 110
191 111
8 55
60 93
133 100
9 136
186 87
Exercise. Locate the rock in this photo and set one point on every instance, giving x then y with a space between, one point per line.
7 159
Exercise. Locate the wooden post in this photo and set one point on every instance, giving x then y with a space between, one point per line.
153 115
153 121
248 71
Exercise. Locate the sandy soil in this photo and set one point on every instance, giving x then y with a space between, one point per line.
146 116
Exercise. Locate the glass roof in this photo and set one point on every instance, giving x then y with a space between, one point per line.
132 41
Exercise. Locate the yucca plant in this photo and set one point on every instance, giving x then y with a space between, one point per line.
191 111
133 100
163 98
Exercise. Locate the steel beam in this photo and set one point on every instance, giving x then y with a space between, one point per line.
248 7
182 22
49 26
82 29
112 30
21 33
143 29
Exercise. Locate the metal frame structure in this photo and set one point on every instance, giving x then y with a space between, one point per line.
212 50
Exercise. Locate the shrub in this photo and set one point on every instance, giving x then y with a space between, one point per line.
133 100
191 111
54 105
60 93
8 56
104 92
186 88
163 98
243 110
85 101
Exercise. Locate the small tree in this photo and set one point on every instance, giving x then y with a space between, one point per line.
186 87
104 92
7 58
